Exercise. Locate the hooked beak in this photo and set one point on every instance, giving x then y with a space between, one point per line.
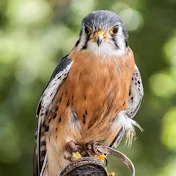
99 37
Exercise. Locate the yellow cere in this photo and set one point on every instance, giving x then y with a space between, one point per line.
76 155
103 34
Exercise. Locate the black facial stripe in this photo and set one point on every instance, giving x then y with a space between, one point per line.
126 42
77 43
85 45
115 43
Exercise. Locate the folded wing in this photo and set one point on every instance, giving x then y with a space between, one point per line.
45 104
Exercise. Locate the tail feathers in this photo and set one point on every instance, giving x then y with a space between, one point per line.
40 152
43 166
42 147
35 163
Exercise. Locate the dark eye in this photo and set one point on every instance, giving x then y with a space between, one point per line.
114 30
87 30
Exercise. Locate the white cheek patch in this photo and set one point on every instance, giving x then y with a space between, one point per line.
82 41
105 49
120 39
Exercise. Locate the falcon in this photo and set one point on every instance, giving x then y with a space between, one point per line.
92 95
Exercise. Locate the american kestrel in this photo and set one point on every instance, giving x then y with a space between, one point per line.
92 95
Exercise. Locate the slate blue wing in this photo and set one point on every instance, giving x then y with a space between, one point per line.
45 103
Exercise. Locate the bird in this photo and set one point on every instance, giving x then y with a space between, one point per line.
92 95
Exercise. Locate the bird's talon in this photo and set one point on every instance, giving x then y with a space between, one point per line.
76 155
111 174
101 157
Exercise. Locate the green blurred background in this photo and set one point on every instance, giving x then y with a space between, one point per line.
36 34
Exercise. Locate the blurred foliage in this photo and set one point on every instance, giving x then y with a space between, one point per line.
36 34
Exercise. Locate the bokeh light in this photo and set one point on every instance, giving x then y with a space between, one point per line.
168 129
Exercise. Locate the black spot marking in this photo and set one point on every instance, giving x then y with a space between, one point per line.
139 82
124 103
42 113
60 99
132 79
68 103
59 77
130 92
46 113
52 99
85 112
115 43
84 118
59 120
55 115
85 97
56 129
44 124
49 120
136 83
56 108
138 89
84 47
42 142
132 99
47 128
51 94
43 152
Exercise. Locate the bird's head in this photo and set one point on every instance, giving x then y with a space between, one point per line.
103 33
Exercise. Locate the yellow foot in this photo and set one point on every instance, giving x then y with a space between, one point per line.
111 174
76 155
102 157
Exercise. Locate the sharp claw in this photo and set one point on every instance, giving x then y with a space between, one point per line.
111 174
76 155
101 157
